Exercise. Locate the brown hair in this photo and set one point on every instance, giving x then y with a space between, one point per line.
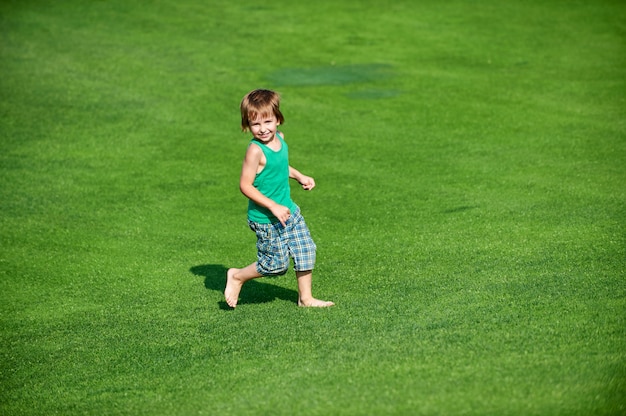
260 103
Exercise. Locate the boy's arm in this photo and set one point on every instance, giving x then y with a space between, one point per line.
246 184
307 182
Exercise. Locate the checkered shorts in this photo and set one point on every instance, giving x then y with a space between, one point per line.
276 244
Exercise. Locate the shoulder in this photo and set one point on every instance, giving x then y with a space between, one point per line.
281 134
254 150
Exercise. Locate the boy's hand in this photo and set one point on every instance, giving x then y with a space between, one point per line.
307 183
281 212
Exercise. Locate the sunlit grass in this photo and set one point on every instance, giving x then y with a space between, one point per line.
469 210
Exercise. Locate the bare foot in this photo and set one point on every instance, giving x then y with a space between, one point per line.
315 303
233 287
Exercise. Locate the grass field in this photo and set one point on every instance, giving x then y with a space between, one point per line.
470 208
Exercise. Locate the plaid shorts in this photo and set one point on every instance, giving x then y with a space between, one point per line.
276 244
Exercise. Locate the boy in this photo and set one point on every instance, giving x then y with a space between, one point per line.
272 215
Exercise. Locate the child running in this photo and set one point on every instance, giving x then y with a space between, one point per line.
279 226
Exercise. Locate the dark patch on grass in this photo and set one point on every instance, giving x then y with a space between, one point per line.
373 94
462 208
331 75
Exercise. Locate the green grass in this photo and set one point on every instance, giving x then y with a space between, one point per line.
469 212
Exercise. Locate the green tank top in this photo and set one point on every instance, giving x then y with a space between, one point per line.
273 182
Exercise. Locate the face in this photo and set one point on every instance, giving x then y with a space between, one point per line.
264 128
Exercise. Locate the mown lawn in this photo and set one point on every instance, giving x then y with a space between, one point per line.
469 210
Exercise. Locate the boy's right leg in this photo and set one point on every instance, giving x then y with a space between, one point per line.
235 278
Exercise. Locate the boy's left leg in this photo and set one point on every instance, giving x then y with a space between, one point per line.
302 249
305 297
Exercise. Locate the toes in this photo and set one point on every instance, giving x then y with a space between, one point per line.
317 304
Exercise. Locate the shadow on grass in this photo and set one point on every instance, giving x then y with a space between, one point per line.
253 291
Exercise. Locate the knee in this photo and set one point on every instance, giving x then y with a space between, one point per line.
276 267
281 271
